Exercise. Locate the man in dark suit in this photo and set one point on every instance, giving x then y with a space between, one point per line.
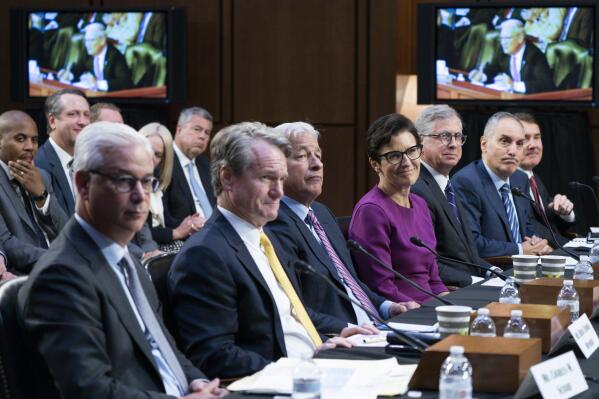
105 68
190 192
499 222
308 231
67 113
31 217
230 272
578 26
89 308
522 67
441 130
558 210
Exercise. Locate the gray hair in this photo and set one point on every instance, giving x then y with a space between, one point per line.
54 105
491 125
292 130
98 140
231 147
188 113
425 123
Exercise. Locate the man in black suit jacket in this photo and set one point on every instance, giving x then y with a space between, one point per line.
441 130
295 229
181 199
522 67
227 271
558 210
89 308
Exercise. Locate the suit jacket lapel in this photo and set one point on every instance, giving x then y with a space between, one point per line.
181 181
18 205
58 172
493 197
430 181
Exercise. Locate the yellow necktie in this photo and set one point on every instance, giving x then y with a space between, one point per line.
300 312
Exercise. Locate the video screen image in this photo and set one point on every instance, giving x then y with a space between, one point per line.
511 53
115 54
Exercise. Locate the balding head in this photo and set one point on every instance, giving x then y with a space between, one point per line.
10 119
511 36
18 137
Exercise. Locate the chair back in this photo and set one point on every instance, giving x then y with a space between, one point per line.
147 65
158 267
571 65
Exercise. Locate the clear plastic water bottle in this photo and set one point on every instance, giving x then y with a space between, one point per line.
455 381
509 293
583 269
568 297
594 253
306 379
516 327
483 325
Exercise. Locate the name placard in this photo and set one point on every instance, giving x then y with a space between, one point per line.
560 377
585 335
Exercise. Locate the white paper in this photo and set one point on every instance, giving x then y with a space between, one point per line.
560 377
423 328
494 282
578 242
585 336
476 279
371 341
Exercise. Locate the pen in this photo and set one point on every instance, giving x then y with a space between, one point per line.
375 339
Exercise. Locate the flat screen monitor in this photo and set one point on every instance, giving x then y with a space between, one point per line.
121 55
527 53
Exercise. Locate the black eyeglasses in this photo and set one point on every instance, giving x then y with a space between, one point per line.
395 157
446 137
126 183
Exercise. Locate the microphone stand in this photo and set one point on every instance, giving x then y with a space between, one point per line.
412 342
357 247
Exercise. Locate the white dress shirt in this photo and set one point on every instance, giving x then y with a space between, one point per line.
183 160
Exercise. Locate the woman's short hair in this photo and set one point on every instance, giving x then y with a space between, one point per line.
384 128
166 163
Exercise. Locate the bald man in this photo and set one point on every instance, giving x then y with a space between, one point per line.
522 68
30 215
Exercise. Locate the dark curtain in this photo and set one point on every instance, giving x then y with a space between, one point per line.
567 156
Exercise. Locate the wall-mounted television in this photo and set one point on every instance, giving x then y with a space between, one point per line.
497 52
134 55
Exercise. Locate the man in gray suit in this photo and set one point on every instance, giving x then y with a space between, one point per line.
30 214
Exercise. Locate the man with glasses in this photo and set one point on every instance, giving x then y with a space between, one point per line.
89 307
440 128
500 222
522 68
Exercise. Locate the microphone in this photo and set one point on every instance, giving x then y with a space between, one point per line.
576 185
357 247
412 342
517 192
419 243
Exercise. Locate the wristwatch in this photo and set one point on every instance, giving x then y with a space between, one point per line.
42 196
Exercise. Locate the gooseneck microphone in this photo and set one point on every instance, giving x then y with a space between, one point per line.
419 243
576 185
357 247
517 192
412 342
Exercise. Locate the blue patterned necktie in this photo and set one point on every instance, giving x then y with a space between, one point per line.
199 192
450 194
511 212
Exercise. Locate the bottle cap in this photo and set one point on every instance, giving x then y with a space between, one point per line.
456 350
568 283
483 311
585 257
414 394
516 313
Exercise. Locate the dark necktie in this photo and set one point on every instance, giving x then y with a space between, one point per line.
511 213
537 196
28 207
153 332
450 195
344 274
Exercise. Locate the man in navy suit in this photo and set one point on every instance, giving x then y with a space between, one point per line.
500 223
190 192
67 113
235 298
440 127
308 231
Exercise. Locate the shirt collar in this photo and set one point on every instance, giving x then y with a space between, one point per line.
6 170
300 210
439 178
529 173
112 251
247 231
182 157
63 156
496 179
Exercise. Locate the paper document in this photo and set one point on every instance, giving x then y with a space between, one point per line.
476 279
423 328
371 341
341 378
494 282
578 242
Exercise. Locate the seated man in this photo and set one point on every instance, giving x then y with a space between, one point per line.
235 301
308 231
500 223
88 306
30 215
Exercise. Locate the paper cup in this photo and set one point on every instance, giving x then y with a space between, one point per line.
453 319
553 266
525 267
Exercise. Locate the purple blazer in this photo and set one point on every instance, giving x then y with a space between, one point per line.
384 228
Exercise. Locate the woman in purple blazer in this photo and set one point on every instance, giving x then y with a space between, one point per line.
388 215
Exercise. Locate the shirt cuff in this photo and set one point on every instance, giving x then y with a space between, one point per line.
384 309
520 250
44 208
102 85
519 87
570 217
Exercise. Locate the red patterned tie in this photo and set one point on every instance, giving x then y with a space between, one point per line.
344 274
535 193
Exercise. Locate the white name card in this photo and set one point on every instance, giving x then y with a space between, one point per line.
585 336
560 377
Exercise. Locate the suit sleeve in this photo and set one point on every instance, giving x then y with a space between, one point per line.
62 314
120 74
55 219
21 255
472 203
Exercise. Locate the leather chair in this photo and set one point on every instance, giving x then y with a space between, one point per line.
571 64
147 65
158 267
